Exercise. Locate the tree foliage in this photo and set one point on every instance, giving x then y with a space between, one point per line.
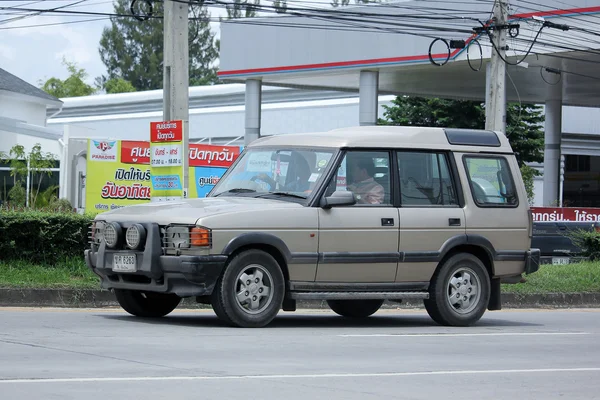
523 121
118 85
74 85
242 9
133 50
36 163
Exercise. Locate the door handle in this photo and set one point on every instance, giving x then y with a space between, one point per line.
454 221
387 221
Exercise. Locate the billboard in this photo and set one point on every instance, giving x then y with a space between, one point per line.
571 214
166 160
119 172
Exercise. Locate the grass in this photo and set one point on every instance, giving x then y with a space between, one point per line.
73 274
570 278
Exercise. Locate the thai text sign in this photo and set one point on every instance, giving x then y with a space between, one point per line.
166 160
574 214
119 172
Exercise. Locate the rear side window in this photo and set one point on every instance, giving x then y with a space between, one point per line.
491 181
425 180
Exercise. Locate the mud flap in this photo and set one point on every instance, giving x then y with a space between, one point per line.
495 302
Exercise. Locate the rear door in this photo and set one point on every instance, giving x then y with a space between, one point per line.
430 211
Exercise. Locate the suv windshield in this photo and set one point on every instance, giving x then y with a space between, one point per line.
287 173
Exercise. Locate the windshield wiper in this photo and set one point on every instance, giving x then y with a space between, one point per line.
284 194
237 190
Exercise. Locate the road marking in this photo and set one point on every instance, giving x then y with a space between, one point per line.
298 376
464 334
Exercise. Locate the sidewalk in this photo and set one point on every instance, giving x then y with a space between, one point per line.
103 298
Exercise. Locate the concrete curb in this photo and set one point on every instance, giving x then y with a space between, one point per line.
86 298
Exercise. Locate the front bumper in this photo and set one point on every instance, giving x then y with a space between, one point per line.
532 261
183 275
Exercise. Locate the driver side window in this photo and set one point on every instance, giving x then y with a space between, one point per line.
367 175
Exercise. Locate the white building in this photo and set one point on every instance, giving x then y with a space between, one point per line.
24 110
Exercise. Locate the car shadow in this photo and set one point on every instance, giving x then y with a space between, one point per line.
320 320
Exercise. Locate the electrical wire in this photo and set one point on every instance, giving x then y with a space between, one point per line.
55 23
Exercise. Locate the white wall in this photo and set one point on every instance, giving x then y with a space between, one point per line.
30 112
292 117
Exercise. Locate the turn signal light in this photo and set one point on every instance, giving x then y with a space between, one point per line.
200 237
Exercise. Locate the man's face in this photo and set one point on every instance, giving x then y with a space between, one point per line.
357 174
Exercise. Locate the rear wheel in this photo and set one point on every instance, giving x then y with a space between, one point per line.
250 292
147 304
355 308
459 291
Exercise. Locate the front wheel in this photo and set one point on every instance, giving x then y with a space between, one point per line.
147 304
355 308
459 291
250 292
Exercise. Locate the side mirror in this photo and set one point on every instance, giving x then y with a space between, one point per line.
339 198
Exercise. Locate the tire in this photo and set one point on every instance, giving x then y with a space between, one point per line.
147 304
355 308
250 292
449 281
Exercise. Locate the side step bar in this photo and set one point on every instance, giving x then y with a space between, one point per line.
358 295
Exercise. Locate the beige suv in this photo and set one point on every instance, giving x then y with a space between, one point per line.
352 216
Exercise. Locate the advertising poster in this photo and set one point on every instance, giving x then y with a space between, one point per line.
119 175
208 164
166 160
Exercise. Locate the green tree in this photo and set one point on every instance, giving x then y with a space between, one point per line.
117 85
36 163
241 9
133 50
73 86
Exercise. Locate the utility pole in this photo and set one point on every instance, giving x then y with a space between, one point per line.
176 74
495 102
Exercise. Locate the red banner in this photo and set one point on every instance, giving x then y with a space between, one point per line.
574 214
167 131
135 152
213 156
201 155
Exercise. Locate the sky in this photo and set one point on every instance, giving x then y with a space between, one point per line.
35 53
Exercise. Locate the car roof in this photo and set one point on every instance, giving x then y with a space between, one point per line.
383 136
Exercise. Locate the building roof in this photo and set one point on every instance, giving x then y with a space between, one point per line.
393 137
11 83
406 46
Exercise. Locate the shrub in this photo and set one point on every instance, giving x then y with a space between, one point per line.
41 236
588 242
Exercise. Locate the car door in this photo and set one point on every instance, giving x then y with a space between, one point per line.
430 211
359 243
497 208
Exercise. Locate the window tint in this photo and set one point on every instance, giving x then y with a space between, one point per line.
366 174
491 181
425 179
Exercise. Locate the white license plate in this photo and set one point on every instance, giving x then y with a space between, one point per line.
124 263
560 260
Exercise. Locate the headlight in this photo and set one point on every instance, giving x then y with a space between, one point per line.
135 236
112 234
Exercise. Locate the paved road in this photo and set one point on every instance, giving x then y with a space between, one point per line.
106 354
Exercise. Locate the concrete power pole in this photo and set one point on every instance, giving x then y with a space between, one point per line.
495 102
176 74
